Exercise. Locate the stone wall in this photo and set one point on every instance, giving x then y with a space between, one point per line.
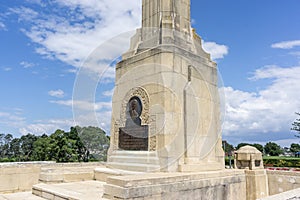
16 177
282 181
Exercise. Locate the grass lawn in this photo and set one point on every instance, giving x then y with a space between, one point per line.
280 158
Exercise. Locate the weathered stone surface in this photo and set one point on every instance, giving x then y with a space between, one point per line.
289 195
256 184
211 185
20 196
70 191
16 177
282 181
248 157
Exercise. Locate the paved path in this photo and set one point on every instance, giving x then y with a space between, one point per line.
85 190
20 196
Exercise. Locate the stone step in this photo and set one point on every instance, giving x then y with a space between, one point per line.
142 161
101 174
69 191
134 166
135 159
136 153
66 174
20 196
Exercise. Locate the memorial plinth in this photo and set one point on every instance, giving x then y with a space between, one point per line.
166 102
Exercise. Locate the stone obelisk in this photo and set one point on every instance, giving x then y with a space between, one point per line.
166 108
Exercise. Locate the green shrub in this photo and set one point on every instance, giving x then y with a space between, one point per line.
281 162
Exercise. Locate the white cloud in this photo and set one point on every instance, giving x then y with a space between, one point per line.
11 119
72 35
57 93
84 105
27 64
47 127
39 2
102 120
24 13
295 53
287 142
268 110
87 113
6 69
216 51
108 93
286 44
2 26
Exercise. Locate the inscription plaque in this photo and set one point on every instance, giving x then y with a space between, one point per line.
134 138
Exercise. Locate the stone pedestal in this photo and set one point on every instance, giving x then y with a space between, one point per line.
185 186
256 184
250 159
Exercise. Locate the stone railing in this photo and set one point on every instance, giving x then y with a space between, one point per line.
289 195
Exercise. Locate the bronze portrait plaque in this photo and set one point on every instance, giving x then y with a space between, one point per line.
134 136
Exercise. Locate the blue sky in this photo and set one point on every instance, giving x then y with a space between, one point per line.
44 45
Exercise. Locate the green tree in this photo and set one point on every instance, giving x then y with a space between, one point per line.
296 126
273 149
2 145
42 149
259 147
66 146
295 148
241 145
81 150
27 142
228 148
15 149
5 150
95 141
62 148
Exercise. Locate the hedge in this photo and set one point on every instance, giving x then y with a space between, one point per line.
274 161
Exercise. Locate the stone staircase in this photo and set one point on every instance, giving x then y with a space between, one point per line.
84 181
75 182
139 161
83 190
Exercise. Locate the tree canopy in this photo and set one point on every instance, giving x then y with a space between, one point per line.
296 126
273 149
78 144
258 146
295 148
228 148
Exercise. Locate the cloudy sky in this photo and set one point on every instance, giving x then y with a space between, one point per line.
45 43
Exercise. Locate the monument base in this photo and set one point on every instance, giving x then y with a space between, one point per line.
207 185
195 167
139 161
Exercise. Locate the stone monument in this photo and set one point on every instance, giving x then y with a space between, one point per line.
166 107
250 159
